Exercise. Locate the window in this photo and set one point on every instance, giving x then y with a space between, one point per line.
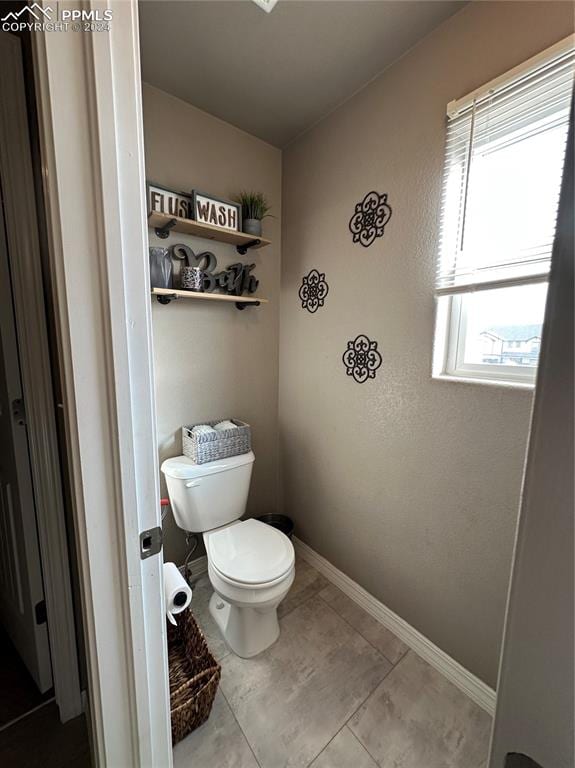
504 162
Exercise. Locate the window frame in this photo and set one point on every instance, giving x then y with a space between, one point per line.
452 353
451 317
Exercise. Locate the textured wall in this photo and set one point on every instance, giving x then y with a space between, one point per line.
212 361
408 485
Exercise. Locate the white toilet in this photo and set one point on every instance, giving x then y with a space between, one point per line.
250 564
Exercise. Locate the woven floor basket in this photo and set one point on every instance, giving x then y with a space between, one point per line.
214 446
194 676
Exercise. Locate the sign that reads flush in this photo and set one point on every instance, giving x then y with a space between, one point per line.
218 213
163 200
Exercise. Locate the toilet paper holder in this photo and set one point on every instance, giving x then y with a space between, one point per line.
150 542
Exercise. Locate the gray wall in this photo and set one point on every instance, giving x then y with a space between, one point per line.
212 361
408 485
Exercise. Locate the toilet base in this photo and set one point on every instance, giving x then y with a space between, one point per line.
247 631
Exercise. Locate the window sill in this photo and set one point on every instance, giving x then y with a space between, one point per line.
518 385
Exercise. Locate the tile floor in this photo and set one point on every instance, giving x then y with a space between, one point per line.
337 690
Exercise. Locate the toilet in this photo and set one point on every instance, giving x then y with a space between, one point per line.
250 564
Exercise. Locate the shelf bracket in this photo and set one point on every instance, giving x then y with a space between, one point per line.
243 249
163 232
241 305
166 298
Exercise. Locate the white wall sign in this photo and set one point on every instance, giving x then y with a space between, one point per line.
218 213
163 200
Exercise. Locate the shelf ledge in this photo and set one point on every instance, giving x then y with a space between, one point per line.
163 224
166 295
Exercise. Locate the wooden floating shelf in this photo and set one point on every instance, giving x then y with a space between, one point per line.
164 224
165 295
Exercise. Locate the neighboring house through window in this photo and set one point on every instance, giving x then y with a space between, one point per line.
511 345
503 167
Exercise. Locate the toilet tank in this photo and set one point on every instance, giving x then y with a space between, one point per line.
207 496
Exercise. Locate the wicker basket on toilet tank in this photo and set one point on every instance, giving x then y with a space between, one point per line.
213 446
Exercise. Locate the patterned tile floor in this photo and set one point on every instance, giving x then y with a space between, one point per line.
337 690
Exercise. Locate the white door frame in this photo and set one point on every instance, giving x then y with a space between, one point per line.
25 266
89 94
535 706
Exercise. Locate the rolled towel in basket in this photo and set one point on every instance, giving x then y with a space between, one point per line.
226 424
202 429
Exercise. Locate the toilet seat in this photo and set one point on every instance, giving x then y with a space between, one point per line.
250 553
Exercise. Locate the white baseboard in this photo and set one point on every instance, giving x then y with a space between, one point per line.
472 686
197 566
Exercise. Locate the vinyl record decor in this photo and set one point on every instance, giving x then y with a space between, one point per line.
370 217
313 291
361 359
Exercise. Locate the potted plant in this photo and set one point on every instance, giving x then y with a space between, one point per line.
254 208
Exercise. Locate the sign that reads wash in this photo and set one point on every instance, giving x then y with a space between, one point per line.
218 213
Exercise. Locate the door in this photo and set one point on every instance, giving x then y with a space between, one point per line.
535 702
91 135
22 607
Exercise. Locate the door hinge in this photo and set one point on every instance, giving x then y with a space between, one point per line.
40 611
19 411
150 542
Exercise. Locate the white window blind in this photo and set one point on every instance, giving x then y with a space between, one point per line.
504 160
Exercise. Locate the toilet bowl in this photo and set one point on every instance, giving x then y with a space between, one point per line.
251 568
250 564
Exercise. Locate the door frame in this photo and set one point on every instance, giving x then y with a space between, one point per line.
535 702
35 366
91 135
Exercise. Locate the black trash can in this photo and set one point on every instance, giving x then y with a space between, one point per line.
282 522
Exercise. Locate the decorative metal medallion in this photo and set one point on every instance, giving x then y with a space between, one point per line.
370 217
361 358
313 290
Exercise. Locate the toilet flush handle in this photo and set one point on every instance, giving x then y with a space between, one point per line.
192 483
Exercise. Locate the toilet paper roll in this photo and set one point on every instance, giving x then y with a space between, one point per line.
177 591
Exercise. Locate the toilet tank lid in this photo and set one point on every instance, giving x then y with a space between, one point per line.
182 468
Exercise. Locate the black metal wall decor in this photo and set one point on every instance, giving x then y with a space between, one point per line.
235 280
313 290
361 358
370 217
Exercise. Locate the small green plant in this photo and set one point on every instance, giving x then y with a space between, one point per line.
254 205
